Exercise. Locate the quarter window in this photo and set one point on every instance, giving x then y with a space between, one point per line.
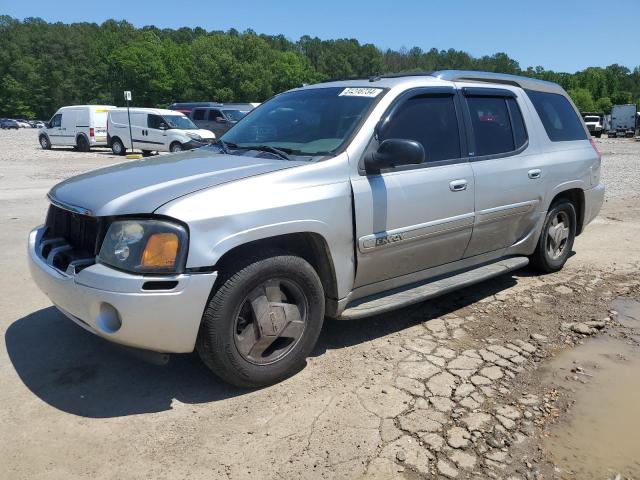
430 120
497 125
558 116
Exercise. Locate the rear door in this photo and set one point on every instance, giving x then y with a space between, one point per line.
507 169
414 217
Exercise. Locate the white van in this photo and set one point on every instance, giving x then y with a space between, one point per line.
80 126
154 129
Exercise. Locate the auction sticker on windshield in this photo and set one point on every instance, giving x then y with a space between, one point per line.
360 92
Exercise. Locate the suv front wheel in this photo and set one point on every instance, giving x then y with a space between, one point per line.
262 321
556 239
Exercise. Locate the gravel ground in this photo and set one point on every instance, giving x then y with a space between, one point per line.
452 388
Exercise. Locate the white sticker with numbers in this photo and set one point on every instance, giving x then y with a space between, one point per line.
360 92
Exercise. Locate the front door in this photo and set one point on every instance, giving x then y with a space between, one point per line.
54 130
155 135
412 218
507 169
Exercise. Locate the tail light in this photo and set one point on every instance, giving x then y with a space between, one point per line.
595 147
92 132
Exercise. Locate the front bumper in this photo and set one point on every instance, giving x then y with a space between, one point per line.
99 299
593 200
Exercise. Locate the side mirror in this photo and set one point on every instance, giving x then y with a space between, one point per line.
394 152
221 120
163 126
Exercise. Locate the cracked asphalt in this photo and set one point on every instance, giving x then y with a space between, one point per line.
451 388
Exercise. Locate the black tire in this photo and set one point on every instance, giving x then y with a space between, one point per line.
599 134
220 332
82 144
117 147
544 258
176 147
44 142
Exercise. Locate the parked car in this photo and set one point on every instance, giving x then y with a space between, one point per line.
623 120
187 107
154 129
594 122
80 126
217 119
22 123
37 124
343 199
7 123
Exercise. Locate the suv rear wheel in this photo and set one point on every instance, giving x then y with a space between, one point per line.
262 321
556 239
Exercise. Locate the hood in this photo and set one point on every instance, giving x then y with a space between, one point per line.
141 186
203 133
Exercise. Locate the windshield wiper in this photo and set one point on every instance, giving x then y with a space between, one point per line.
224 146
266 148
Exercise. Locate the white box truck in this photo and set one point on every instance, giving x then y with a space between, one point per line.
623 120
80 126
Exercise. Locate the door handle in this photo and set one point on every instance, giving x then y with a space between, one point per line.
534 173
458 185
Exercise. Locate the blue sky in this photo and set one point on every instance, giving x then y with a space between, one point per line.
563 35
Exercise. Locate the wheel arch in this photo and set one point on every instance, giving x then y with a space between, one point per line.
576 197
310 246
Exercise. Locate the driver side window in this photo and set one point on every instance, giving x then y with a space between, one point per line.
56 120
431 121
155 121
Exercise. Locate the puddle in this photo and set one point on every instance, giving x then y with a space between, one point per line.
601 436
628 312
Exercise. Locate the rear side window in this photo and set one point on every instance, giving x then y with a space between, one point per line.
430 120
497 125
558 116
198 114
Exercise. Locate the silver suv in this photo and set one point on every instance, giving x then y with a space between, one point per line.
342 199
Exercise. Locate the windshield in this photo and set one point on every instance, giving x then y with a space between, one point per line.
180 122
591 119
234 115
314 121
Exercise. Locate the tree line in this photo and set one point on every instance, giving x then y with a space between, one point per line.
47 65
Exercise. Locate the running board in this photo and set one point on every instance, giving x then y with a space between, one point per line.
388 301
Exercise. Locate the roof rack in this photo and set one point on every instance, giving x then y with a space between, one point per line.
504 78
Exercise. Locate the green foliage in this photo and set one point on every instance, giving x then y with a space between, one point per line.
46 65
583 99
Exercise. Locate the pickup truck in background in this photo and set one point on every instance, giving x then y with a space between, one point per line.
594 122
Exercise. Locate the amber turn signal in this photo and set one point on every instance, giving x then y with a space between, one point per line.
161 251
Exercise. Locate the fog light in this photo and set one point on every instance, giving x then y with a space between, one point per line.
108 319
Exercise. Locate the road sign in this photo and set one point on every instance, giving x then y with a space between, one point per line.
127 95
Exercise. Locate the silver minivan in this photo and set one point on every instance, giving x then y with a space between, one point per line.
342 199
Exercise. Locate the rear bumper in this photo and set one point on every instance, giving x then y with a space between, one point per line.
113 304
593 200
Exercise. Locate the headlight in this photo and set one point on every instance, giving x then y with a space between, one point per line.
195 136
145 246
